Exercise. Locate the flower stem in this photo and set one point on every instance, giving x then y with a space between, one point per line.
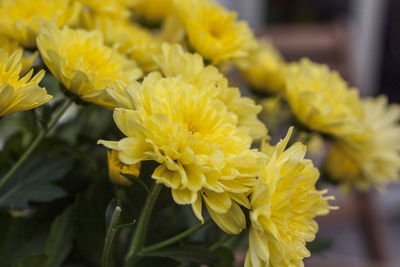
43 132
175 238
139 235
221 242
110 236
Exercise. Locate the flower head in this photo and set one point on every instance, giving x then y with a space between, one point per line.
84 64
153 10
19 93
20 19
283 206
371 158
195 139
264 68
213 31
116 169
190 67
11 46
322 100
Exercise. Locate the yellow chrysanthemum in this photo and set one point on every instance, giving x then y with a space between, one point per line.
213 31
19 93
93 10
20 19
11 46
153 10
283 206
116 169
373 157
195 139
131 39
84 64
264 68
322 100
190 67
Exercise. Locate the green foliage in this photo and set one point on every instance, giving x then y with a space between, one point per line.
34 182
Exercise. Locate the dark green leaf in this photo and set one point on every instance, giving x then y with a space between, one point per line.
225 256
110 211
188 254
31 261
59 241
90 222
319 245
33 182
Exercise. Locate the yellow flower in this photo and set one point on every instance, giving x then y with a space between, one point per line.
371 158
175 62
283 206
93 10
154 10
84 64
264 68
20 19
116 169
213 31
195 139
11 46
322 100
19 93
131 39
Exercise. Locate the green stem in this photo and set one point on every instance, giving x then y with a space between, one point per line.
176 238
139 235
110 237
43 132
221 242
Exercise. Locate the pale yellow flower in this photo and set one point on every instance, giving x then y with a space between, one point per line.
175 62
19 93
131 39
283 206
116 169
322 100
11 46
20 19
84 64
153 10
195 139
94 10
371 158
213 31
264 68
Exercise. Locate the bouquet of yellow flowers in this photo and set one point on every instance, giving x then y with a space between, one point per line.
134 148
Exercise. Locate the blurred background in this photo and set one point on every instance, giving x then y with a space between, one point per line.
361 40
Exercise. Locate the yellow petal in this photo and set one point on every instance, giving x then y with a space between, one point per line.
232 222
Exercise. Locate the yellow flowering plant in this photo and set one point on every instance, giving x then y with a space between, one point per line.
125 143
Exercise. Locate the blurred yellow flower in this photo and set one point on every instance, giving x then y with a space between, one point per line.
371 158
20 19
19 93
175 62
94 10
84 64
131 39
153 10
195 139
116 169
213 31
283 206
322 100
264 68
11 46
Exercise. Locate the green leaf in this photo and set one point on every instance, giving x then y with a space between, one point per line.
319 245
59 241
20 238
225 256
90 221
188 254
32 182
31 261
